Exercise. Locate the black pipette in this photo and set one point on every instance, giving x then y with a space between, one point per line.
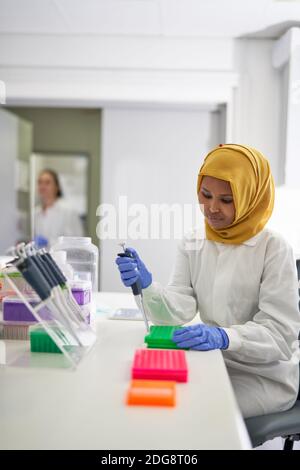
136 287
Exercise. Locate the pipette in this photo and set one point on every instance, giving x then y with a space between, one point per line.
63 282
45 285
136 288
57 311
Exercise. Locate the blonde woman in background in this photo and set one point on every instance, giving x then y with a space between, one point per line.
53 218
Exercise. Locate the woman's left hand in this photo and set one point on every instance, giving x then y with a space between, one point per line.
201 337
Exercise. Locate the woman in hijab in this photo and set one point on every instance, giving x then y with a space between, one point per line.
241 278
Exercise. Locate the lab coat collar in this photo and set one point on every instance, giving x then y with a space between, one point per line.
253 240
200 234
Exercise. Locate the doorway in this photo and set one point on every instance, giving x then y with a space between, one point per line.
73 135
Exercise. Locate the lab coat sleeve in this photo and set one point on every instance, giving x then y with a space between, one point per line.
273 332
176 303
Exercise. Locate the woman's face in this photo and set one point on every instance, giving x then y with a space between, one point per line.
47 188
216 202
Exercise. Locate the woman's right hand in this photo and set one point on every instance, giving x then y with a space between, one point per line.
132 268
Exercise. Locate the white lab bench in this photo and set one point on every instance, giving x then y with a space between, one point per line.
54 408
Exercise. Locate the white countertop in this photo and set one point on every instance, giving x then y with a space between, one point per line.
51 407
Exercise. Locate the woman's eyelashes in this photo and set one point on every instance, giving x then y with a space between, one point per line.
208 196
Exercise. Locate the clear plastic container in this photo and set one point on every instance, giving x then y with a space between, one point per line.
83 257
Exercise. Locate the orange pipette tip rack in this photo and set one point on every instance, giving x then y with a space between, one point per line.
151 393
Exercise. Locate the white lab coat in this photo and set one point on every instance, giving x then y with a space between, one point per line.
56 221
251 291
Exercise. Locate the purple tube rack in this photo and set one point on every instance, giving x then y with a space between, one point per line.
82 296
16 311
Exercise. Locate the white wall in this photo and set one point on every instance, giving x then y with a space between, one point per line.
151 156
9 140
257 104
266 116
286 58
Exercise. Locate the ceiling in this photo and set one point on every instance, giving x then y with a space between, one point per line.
179 18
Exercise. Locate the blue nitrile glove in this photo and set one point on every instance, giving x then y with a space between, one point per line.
132 269
201 337
40 241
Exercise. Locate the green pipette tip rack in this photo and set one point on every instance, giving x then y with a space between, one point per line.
160 337
41 342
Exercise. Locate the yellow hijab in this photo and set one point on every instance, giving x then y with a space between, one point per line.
252 186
